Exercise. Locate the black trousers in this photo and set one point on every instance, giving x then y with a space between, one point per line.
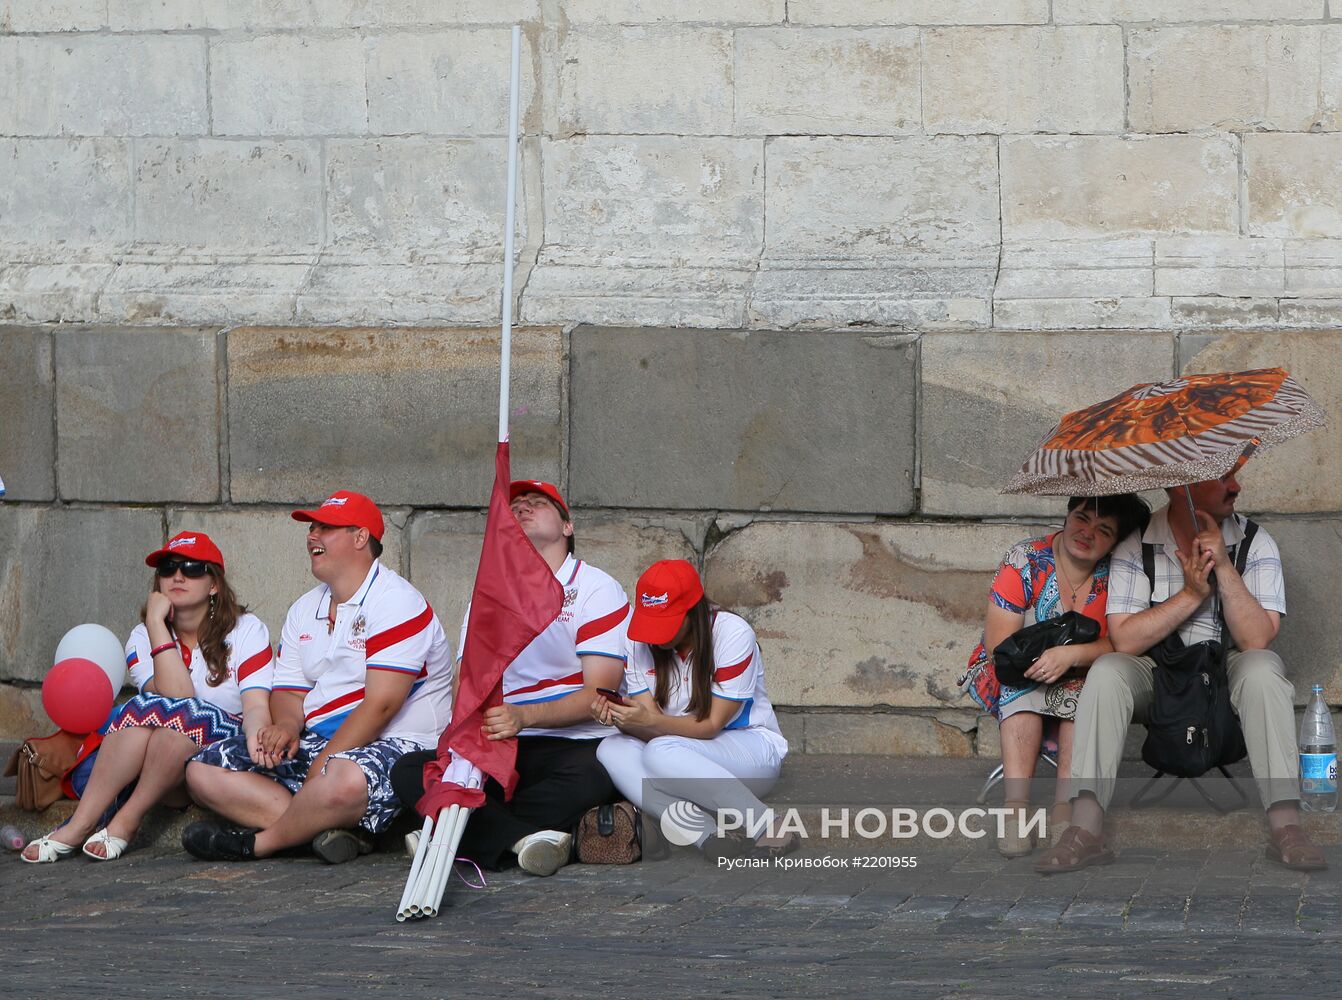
557 781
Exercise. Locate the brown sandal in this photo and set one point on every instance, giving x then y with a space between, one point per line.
1076 849
1291 847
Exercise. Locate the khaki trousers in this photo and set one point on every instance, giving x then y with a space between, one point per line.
1118 692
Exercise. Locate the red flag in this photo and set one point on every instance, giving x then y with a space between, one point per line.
516 598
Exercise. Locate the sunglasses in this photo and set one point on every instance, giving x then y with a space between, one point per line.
191 568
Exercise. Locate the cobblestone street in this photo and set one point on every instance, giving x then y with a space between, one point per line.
963 923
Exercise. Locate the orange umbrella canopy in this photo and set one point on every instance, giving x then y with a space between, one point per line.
1163 434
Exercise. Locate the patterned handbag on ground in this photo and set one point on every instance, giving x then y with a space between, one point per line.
40 764
609 835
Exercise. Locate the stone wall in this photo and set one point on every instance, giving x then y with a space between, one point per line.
801 281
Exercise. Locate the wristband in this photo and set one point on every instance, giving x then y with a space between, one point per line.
162 649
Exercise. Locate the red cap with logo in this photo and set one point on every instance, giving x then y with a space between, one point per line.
519 486
345 509
666 592
188 545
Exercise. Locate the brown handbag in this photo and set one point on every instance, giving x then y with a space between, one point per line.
40 764
609 835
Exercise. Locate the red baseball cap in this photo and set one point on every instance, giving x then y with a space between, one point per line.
345 509
519 486
666 592
188 545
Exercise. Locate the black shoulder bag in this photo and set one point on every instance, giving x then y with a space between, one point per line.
1017 652
1192 726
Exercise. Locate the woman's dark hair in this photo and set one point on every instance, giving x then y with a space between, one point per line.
700 639
1127 509
219 622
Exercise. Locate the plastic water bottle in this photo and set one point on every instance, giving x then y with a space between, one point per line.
11 838
1318 757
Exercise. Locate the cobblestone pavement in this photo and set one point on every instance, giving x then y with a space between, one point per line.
963 923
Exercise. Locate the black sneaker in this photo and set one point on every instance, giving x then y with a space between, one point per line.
211 841
335 847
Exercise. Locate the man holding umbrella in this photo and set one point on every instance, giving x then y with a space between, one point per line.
1190 437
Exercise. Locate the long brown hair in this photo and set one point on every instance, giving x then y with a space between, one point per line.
700 640
219 623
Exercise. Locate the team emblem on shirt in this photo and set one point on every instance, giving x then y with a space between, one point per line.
570 596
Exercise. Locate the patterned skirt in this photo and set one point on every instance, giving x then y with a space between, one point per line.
204 722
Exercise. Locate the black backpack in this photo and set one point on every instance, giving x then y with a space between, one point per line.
1192 726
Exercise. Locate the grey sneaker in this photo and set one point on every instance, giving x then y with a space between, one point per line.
543 853
335 847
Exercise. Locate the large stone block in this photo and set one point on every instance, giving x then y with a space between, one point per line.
1023 79
862 614
1105 11
1291 185
430 196
858 12
103 85
744 421
258 15
266 558
1215 312
1302 475
659 12
156 394
406 416
52 292
1220 265
1266 77
827 80
61 567
1100 186
229 194
987 399
65 191
1309 641
646 80
445 551
288 85
891 200
27 414
447 83
623 199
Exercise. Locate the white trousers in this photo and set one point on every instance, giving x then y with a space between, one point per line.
730 771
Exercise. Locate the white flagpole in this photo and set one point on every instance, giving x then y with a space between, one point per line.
435 855
510 216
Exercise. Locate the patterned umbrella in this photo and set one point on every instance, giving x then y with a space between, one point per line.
1166 434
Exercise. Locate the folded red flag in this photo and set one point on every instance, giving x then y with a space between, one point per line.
516 598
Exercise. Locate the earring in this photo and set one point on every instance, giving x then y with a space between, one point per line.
212 603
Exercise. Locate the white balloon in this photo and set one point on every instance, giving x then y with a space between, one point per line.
99 644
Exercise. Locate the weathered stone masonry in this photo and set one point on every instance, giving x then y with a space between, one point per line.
801 282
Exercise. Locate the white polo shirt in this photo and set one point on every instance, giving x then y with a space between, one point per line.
738 676
386 625
592 622
250 663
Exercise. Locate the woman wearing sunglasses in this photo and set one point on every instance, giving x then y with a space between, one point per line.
203 667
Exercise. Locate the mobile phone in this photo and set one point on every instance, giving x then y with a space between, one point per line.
610 695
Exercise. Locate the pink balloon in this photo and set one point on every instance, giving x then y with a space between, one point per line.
77 695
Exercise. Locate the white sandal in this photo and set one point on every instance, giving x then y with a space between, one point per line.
113 846
48 850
